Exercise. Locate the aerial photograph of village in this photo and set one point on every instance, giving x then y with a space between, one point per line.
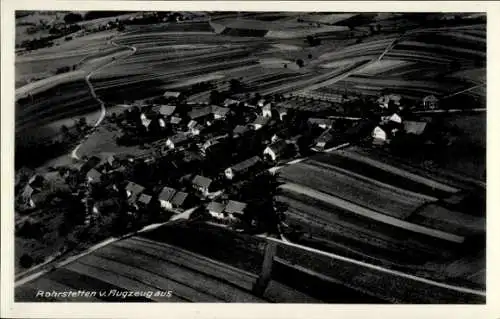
250 157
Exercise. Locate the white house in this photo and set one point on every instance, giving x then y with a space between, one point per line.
266 110
379 135
216 210
166 196
275 150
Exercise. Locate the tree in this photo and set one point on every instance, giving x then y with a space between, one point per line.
309 56
72 17
300 63
26 261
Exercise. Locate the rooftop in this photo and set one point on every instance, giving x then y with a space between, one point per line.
200 112
246 164
202 181
260 120
167 193
234 207
179 198
145 199
216 207
134 188
167 110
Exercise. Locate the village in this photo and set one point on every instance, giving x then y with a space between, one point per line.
211 162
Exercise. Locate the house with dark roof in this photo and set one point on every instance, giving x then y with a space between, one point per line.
167 110
93 176
201 114
172 94
259 122
177 140
242 168
216 210
321 122
202 184
133 191
324 140
240 130
276 150
414 127
180 200
235 209
166 196
220 112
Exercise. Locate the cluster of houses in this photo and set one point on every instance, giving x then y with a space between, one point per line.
227 212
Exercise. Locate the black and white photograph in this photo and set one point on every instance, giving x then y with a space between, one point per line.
294 157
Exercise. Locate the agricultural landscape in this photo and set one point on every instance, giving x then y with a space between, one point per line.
283 157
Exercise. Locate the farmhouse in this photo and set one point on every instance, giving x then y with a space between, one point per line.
324 140
220 112
413 127
242 168
202 184
133 191
216 210
180 200
266 110
167 110
259 122
93 176
276 150
171 94
379 135
430 102
240 130
235 210
166 196
322 123
177 140
201 115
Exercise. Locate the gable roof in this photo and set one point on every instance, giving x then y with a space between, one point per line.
240 129
244 165
200 112
94 174
216 207
175 120
167 110
202 181
234 207
261 120
178 138
167 193
414 127
134 188
278 147
222 111
171 94
179 198
145 199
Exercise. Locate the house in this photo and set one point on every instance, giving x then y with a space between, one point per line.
171 95
229 102
276 150
220 112
133 191
430 102
166 196
321 122
282 113
177 140
240 130
93 176
216 210
167 110
175 120
259 122
394 118
385 100
202 115
266 110
234 209
324 140
202 184
144 200
242 167
413 127
146 122
379 135
180 200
